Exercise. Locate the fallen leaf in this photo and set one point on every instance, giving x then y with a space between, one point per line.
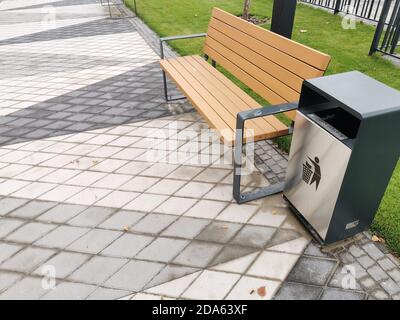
225 227
125 228
375 238
303 31
261 291
95 162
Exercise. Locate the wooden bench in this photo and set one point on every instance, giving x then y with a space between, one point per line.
272 66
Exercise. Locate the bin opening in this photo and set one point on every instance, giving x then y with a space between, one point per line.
338 122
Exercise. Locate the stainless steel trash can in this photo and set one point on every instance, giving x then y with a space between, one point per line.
345 146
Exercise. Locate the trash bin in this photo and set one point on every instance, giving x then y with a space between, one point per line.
345 146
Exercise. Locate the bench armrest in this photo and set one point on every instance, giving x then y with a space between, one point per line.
263 112
240 120
188 36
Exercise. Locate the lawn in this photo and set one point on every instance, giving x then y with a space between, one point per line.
313 27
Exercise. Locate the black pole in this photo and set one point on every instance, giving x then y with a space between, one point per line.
283 17
380 26
337 6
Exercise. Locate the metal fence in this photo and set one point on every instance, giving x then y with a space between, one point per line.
366 9
387 34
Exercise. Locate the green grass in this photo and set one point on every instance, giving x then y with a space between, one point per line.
324 32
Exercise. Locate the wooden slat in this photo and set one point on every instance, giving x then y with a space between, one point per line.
247 79
201 105
280 65
234 91
227 99
196 80
216 99
306 54
250 67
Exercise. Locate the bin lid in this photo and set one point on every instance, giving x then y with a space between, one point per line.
358 93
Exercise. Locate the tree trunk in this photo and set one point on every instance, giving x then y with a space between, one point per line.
246 9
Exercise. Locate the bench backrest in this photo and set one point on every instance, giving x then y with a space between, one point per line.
271 65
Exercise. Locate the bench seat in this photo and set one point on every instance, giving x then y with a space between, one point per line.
219 100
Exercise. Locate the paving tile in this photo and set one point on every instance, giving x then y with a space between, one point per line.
27 289
207 209
185 173
284 235
7 279
194 189
336 294
373 251
30 232
295 246
356 251
7 250
127 246
69 291
97 270
61 213
88 196
162 249
117 199
175 205
122 220
390 286
166 186
185 227
139 184
34 190
167 276
395 274
94 241
112 181
9 204
366 261
212 175
267 218
238 265
311 271
368 283
91 217
298 291
247 289
153 223
86 178
198 254
107 294
237 213
273 265
134 275
314 250
377 294
176 286
386 264
27 259
145 202
254 236
32 209
211 285
64 263
219 231
61 193
231 253
377 273
61 237
8 225
220 192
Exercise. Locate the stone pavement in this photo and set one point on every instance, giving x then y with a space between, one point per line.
106 192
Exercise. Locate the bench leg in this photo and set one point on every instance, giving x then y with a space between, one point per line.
166 96
238 153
